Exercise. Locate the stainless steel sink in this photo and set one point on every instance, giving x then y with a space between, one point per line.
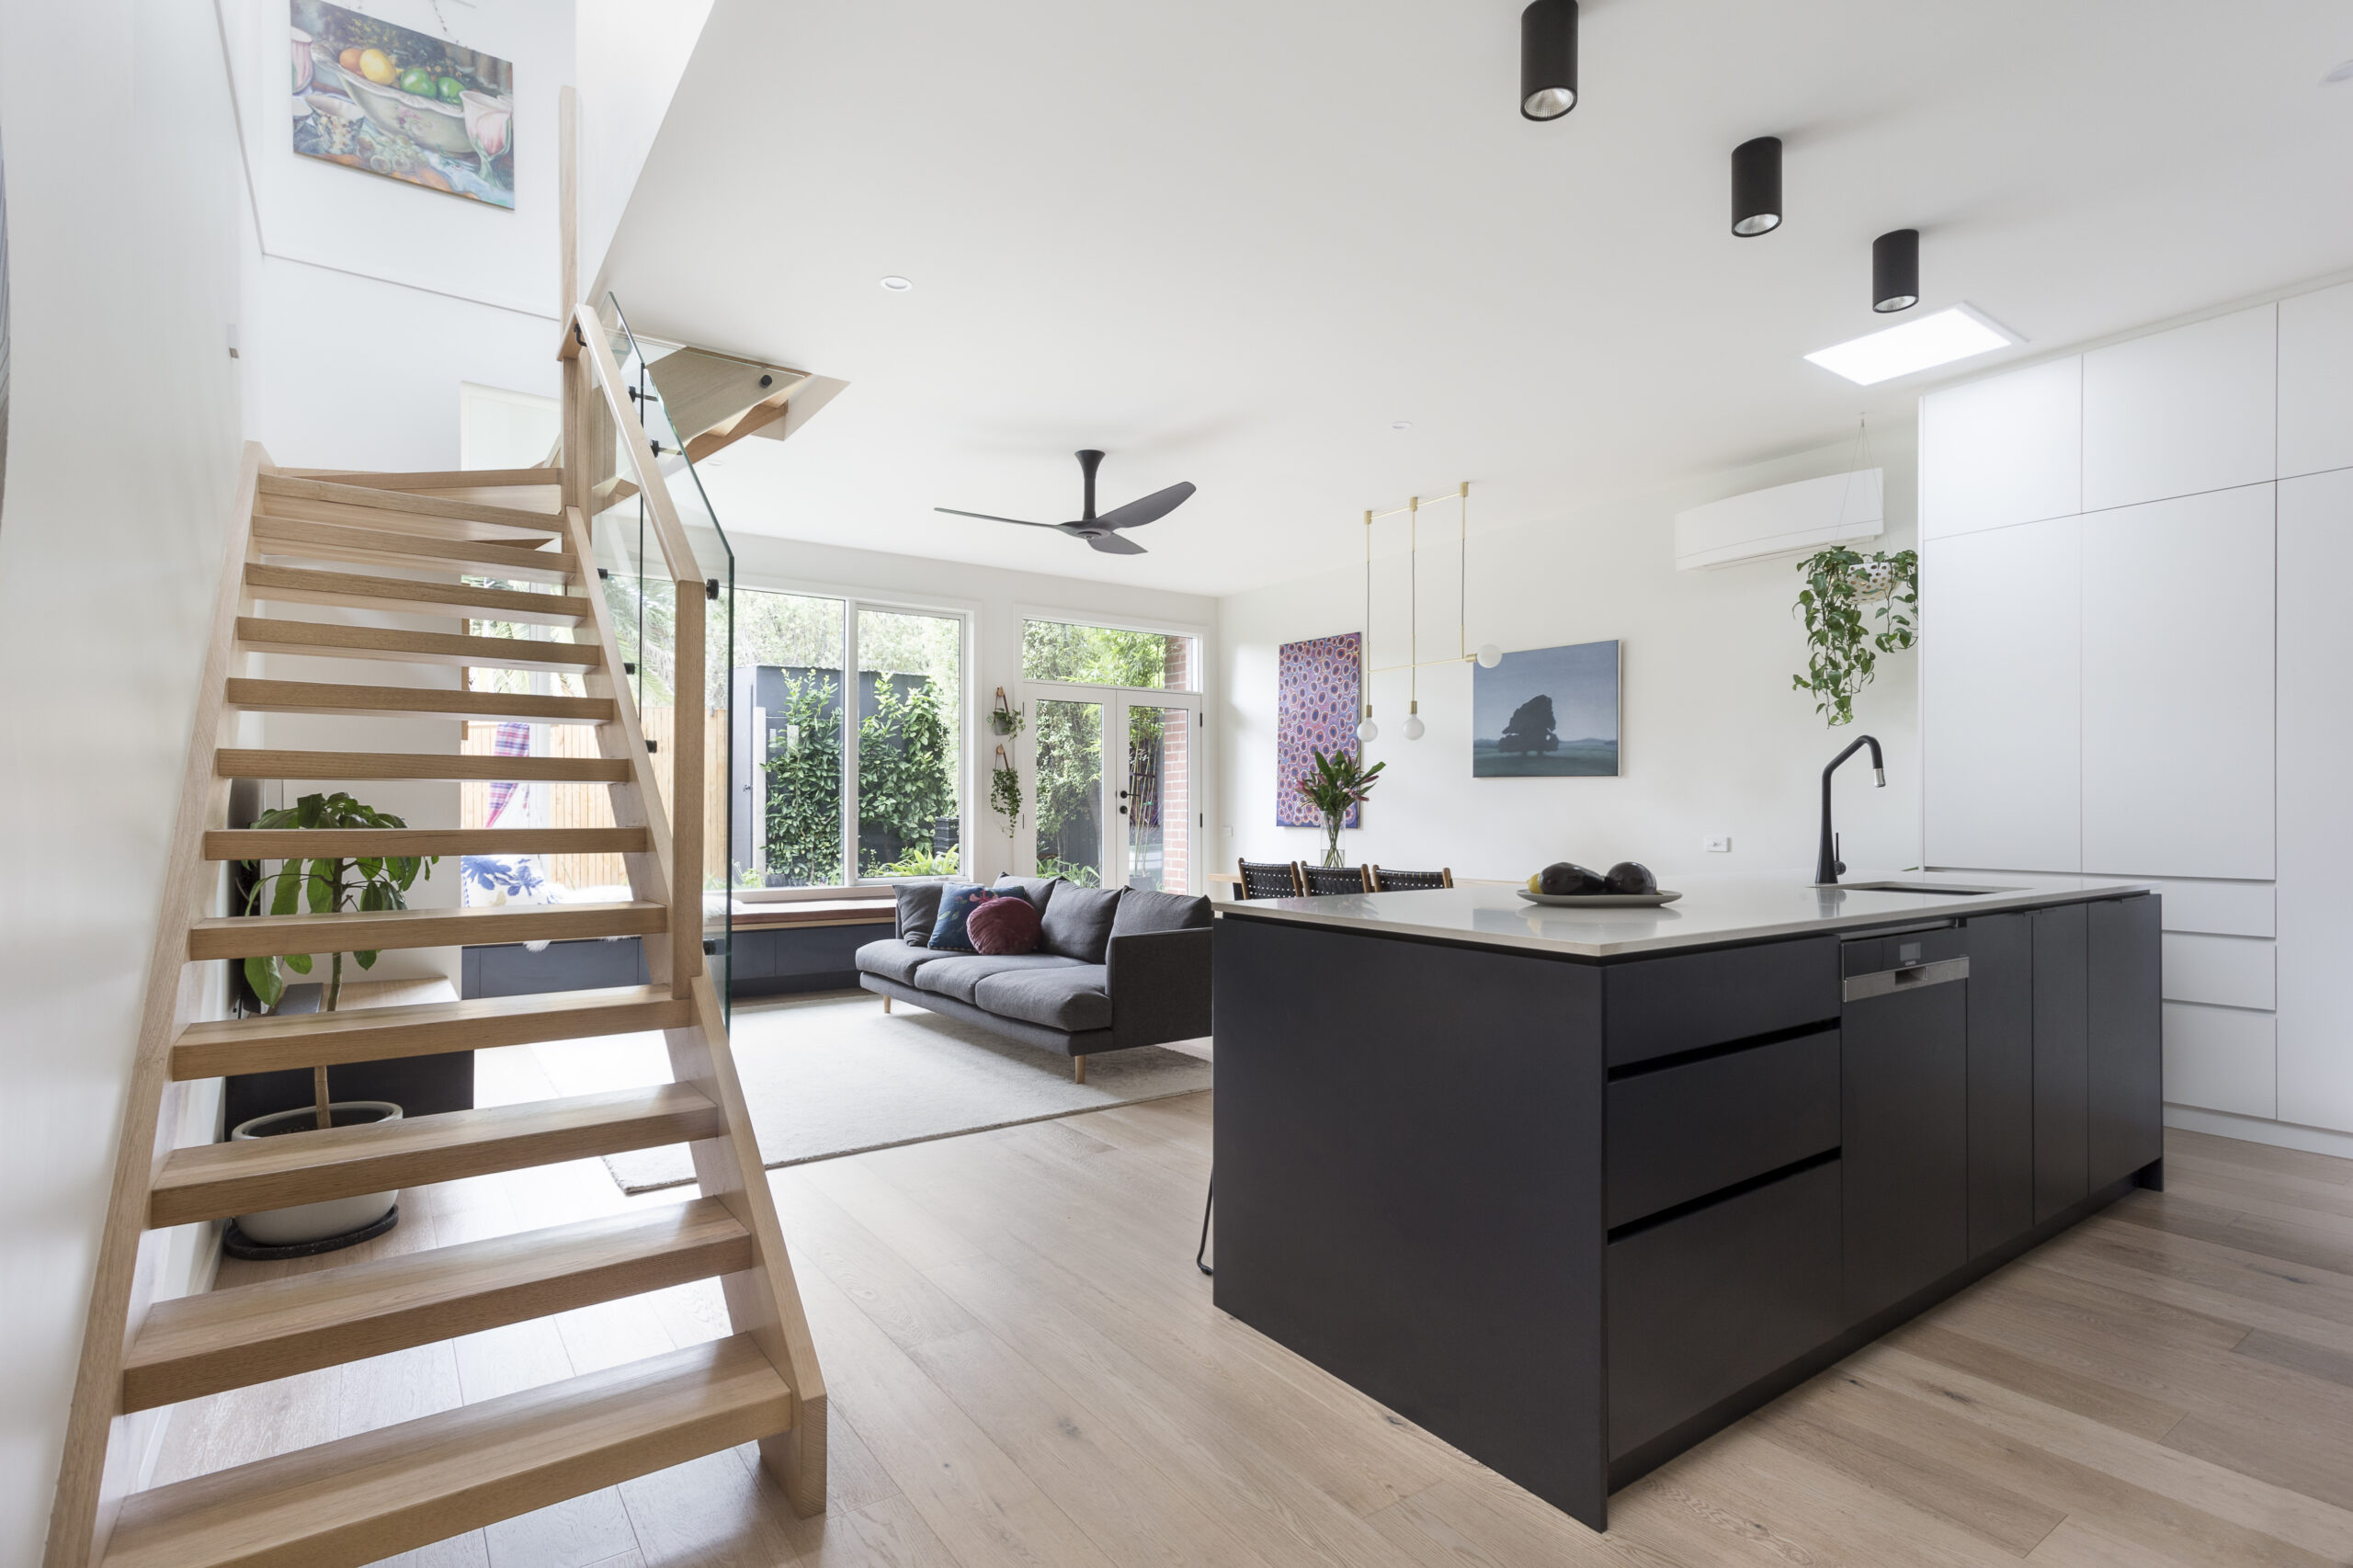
1953 890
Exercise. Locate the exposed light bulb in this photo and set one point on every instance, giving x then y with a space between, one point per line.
1490 656
1414 727
1367 731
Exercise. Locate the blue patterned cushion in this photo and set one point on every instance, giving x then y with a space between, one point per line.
956 901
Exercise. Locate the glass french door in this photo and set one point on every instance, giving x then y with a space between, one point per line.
1110 787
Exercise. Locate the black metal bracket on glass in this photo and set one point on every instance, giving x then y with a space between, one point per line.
1826 864
710 588
652 744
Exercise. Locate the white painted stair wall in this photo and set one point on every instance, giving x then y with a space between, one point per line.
2134 662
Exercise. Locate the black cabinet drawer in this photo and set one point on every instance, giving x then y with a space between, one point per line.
1704 1305
1661 1006
1682 1132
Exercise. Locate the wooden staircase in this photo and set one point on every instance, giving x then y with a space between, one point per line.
305 541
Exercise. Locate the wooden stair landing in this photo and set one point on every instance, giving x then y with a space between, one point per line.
348 1503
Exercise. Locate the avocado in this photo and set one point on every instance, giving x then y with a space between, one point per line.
1632 877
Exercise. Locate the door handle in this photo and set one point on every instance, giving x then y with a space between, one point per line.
1911 977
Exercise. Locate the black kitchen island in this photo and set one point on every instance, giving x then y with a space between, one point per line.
1574 1188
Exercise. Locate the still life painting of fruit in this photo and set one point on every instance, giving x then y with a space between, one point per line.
406 104
1546 712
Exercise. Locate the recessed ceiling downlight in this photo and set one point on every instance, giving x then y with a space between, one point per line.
1954 333
896 284
1401 424
2341 74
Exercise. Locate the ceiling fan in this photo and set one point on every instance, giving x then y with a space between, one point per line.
1102 533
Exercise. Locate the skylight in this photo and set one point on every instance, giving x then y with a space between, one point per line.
1954 333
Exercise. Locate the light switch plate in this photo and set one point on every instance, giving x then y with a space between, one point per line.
1720 845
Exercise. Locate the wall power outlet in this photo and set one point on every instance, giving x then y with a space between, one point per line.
1720 845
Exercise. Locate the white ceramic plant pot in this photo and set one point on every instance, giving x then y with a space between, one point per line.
314 1221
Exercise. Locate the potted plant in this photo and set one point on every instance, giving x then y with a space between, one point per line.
1844 591
326 885
1340 782
1004 792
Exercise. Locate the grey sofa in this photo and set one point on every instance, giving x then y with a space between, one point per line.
1116 969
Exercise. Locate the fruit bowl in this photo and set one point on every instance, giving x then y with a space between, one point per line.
1601 900
428 122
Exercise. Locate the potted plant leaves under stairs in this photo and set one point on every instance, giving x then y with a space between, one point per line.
321 886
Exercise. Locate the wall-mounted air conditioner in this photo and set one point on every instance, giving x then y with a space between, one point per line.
1780 521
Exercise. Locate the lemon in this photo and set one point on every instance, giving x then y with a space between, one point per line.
377 66
1536 882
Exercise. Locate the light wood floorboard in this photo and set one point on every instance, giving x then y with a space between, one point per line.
1026 1371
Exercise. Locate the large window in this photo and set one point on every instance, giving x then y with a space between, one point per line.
826 793
1107 656
1113 726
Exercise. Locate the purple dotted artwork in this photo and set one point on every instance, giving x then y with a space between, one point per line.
1316 708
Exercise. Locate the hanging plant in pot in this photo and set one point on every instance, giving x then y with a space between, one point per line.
1339 784
1004 792
325 886
1844 592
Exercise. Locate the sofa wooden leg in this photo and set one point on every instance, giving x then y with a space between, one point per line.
886 1003
1078 1069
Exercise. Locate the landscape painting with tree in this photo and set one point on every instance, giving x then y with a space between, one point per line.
1546 714
392 101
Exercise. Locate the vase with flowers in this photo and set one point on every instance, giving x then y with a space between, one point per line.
1338 784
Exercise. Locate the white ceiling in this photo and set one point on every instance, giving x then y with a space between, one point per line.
1232 240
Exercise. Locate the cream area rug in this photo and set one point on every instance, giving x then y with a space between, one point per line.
831 1073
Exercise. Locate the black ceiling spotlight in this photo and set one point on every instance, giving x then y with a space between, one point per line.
1895 271
1547 59
1757 187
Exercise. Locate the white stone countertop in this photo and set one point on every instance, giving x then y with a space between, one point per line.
1711 910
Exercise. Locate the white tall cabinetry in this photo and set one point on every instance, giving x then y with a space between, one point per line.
2135 662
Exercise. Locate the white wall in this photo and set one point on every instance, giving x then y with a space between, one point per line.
998 601
122 457
632 54
371 300
1714 740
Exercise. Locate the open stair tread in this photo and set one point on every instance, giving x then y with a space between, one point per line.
433 479
415 702
273 843
406 502
245 936
327 639
220 1047
302 585
359 1498
295 538
198 1345
241 762
216 1181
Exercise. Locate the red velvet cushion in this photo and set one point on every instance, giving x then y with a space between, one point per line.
1008 925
